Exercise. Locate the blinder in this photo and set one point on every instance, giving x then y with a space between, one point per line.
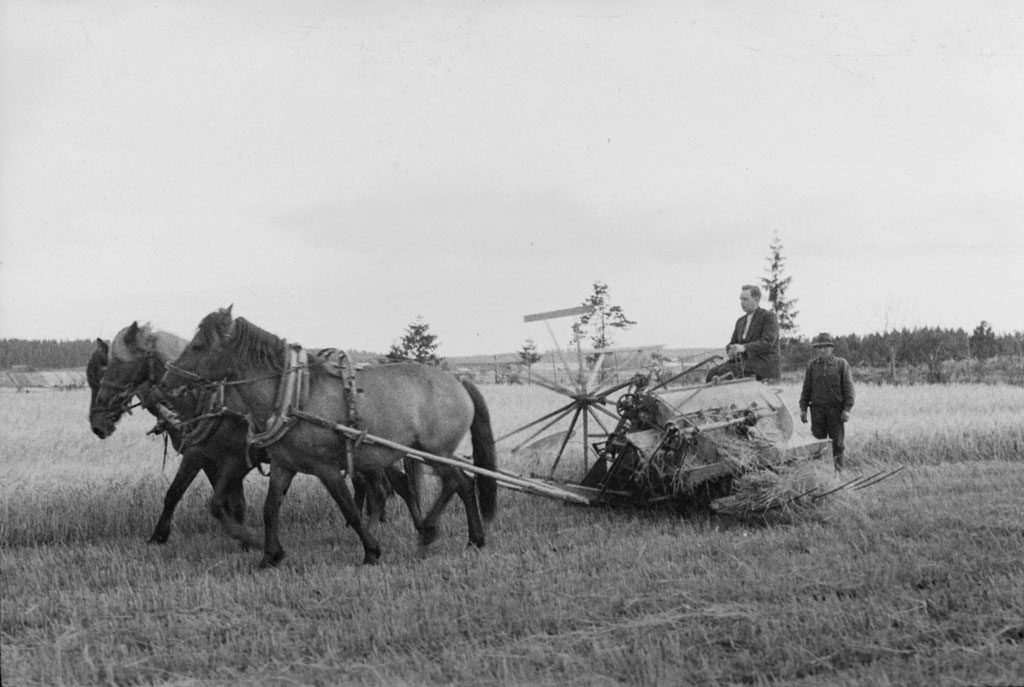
121 401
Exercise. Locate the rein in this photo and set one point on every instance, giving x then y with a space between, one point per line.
292 394
293 387
201 381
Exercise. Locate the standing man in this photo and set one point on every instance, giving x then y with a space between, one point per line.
754 347
828 391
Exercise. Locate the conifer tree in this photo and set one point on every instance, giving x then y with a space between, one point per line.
528 355
599 323
776 285
416 344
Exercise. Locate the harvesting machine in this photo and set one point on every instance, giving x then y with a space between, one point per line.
664 444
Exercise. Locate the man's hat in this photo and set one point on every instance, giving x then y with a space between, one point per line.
823 339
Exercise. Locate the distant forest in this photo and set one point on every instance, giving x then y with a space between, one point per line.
923 345
48 354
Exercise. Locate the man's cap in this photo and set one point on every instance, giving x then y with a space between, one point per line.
823 339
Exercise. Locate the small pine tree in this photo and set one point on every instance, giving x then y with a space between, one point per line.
777 285
528 355
416 344
599 323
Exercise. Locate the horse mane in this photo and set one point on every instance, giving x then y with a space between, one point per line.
167 346
253 347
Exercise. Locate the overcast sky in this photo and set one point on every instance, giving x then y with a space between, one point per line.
335 169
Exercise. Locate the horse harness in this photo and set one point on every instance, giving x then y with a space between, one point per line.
293 396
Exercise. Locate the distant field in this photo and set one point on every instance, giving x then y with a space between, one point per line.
926 588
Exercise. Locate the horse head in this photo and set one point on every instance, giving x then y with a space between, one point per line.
205 358
96 367
135 362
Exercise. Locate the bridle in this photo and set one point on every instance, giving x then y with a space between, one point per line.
274 427
121 401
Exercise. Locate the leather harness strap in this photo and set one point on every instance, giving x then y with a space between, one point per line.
293 396
289 393
338 364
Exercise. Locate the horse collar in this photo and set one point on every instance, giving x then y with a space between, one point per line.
292 392
293 395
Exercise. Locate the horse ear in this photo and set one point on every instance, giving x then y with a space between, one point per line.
221 324
133 331
229 325
102 345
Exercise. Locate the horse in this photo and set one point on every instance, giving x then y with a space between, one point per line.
132 366
94 371
409 404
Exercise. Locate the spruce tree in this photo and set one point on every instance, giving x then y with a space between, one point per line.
776 285
416 344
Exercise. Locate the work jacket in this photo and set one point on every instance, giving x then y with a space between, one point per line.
761 356
827 383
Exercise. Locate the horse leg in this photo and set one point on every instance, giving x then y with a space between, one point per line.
455 482
369 490
227 504
394 481
376 499
359 490
466 489
236 502
429 529
191 463
334 480
280 479
409 486
399 481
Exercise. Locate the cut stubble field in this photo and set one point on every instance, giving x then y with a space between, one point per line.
922 584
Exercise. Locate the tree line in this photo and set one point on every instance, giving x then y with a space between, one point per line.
928 347
45 354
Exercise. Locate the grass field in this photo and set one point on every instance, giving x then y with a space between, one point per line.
926 587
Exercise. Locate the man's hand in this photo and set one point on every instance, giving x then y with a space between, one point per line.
846 415
738 348
803 416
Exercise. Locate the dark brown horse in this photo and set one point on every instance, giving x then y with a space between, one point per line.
410 404
94 372
131 367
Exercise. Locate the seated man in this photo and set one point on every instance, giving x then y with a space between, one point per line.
754 347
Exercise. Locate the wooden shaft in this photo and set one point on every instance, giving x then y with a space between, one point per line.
429 458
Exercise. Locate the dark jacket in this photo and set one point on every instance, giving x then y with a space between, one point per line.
761 356
827 383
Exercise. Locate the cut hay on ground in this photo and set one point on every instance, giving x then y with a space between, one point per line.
810 491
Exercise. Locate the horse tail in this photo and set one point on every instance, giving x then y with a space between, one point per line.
484 454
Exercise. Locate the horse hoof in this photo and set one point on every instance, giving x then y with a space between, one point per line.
157 539
270 561
428 535
478 544
371 558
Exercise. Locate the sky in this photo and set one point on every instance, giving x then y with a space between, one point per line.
335 170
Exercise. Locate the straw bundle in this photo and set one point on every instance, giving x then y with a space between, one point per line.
742 451
791 494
